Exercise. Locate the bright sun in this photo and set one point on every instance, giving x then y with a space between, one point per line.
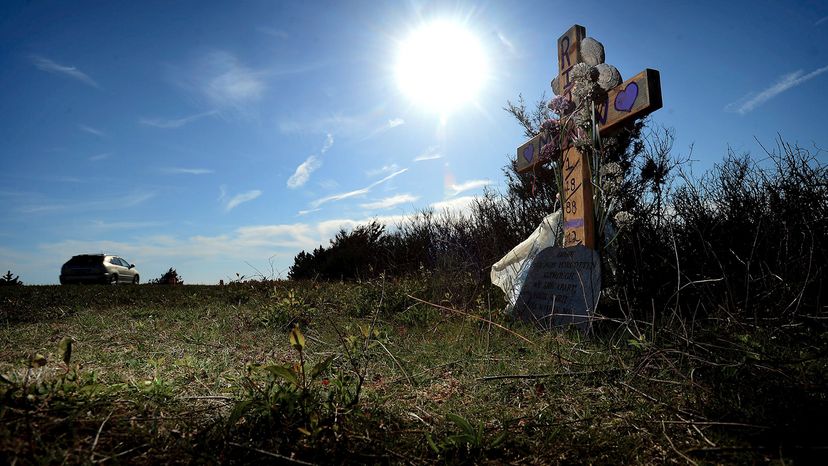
441 66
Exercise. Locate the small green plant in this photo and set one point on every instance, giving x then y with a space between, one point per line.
157 388
9 279
299 394
468 437
286 311
638 342
41 386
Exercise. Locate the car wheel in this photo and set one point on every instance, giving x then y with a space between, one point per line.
114 279
135 280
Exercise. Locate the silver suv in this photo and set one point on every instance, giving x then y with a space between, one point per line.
98 268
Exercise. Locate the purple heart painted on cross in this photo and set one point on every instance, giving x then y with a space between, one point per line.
625 99
529 152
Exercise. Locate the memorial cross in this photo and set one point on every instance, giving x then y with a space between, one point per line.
632 99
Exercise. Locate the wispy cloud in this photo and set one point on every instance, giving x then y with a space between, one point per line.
131 200
390 202
328 228
241 198
303 172
186 171
91 130
392 175
281 235
308 211
231 83
457 205
458 188
221 79
328 184
392 123
103 225
323 124
99 157
431 153
356 192
340 196
310 165
384 169
175 122
821 20
788 81
329 140
53 178
358 126
16 194
115 202
506 42
44 64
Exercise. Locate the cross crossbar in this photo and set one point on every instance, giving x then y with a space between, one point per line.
634 98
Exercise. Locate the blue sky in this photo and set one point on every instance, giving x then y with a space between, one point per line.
219 137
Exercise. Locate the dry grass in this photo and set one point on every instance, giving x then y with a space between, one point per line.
155 378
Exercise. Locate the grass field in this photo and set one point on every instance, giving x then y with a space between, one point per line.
182 374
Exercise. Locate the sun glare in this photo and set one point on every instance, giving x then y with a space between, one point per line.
441 66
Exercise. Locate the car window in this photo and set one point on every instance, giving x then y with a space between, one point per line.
85 260
122 262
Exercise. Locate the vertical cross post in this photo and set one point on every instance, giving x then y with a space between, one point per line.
576 198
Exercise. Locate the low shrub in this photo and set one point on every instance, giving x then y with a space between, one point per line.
9 279
170 277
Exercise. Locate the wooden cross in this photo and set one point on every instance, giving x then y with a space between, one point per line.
632 99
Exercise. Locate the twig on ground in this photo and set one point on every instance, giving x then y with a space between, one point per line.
271 454
209 397
483 319
102 460
704 437
689 460
544 376
654 400
98 435
410 382
715 423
